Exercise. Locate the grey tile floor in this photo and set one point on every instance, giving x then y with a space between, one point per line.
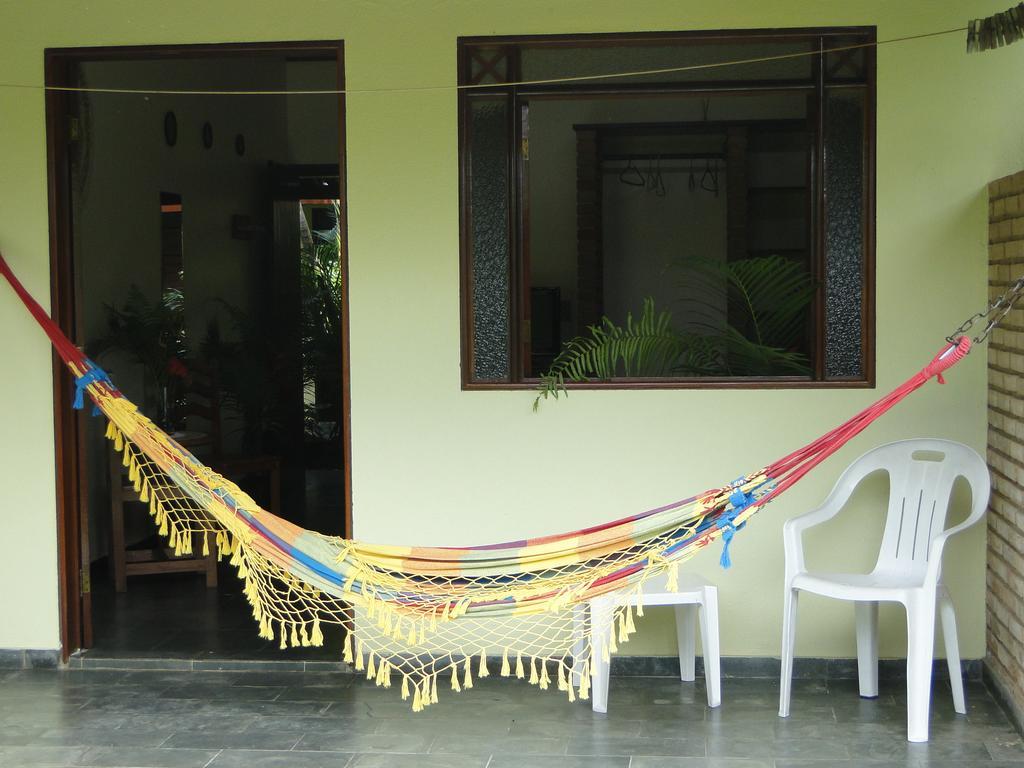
145 719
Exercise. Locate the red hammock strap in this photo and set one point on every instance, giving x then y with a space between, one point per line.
68 352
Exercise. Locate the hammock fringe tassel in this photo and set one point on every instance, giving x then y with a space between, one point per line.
423 613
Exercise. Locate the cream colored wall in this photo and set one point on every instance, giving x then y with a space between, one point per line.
434 464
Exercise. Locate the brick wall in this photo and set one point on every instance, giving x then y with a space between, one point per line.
1005 571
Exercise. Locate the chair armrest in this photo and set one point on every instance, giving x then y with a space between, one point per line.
939 542
792 530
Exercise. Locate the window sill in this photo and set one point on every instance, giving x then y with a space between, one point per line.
702 383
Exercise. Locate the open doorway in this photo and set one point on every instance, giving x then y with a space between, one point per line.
200 258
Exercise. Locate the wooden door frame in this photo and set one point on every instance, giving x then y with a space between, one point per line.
69 454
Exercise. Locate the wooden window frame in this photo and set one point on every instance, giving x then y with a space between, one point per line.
518 96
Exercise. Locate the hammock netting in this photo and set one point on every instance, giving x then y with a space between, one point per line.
423 619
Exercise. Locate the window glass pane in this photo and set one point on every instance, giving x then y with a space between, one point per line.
488 65
683 201
560 60
489 248
844 231
845 65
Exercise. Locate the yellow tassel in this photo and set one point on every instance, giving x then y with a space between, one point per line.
411 639
370 667
348 641
433 690
561 678
359 655
544 679
483 671
433 620
572 693
405 687
381 672
387 674
623 637
446 612
467 680
109 434
294 637
317 637
144 492
206 545
284 640
585 682
640 610
672 583
612 645
455 680
417 701
534 679
163 526
630 625
505 669
173 538
519 666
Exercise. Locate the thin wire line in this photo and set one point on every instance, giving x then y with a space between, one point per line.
476 86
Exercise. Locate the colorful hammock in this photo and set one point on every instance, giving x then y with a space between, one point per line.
414 614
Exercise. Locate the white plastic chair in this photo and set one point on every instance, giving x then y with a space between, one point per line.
694 598
908 570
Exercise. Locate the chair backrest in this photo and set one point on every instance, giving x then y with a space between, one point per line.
921 476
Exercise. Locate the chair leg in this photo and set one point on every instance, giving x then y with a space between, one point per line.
920 639
867 648
601 627
956 682
210 566
686 640
788 640
709 642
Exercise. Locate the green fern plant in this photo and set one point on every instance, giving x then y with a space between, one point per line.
767 297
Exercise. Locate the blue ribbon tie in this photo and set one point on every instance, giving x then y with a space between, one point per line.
94 374
739 501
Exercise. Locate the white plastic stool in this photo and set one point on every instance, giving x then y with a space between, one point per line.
694 598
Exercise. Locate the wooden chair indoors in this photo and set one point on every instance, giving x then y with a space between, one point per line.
201 411
140 562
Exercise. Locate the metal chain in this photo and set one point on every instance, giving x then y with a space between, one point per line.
995 313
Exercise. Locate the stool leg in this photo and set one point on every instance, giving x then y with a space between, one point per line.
600 629
579 646
686 639
709 641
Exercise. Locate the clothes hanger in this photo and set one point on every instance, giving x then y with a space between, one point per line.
636 179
